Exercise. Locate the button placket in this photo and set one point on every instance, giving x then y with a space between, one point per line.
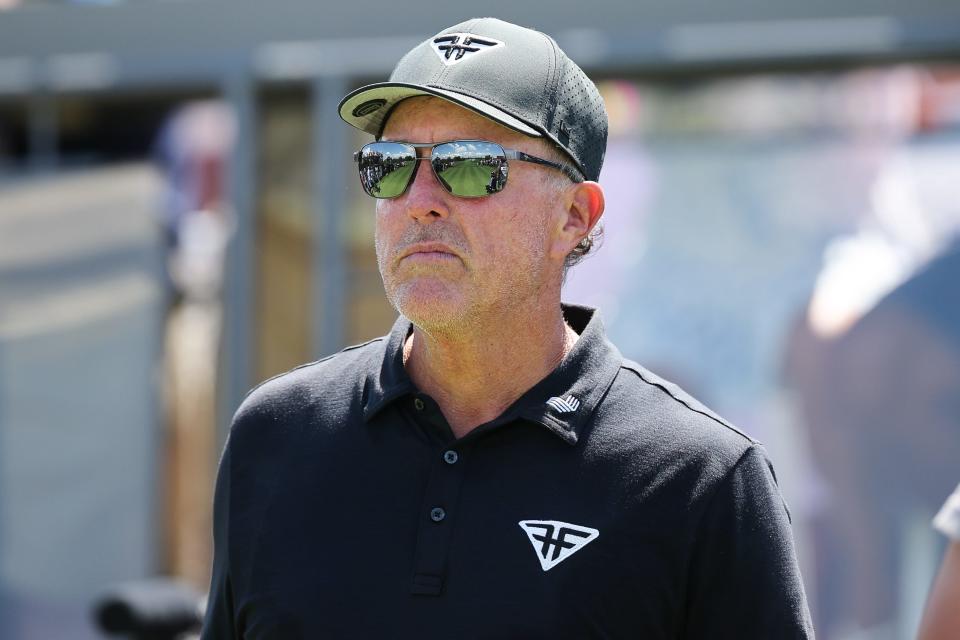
434 535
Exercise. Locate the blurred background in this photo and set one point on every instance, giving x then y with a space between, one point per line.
180 219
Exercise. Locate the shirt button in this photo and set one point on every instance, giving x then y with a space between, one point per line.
418 404
450 457
437 514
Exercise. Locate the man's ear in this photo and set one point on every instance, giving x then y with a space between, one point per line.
583 204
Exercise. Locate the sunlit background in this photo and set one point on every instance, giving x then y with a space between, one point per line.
180 219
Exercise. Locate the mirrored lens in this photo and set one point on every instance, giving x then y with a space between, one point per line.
386 168
470 168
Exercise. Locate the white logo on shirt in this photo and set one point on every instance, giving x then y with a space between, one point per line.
567 404
555 541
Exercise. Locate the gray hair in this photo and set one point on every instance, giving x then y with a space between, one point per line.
560 181
591 241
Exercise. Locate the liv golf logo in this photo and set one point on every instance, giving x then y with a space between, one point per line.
555 541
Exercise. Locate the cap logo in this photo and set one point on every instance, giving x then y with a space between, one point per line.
368 107
454 47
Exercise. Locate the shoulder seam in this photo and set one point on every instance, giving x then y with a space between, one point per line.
708 502
309 364
718 420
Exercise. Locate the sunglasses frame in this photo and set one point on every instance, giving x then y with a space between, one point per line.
508 154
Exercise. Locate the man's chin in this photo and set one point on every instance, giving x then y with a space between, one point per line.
429 303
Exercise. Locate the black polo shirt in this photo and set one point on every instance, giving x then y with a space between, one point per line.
604 503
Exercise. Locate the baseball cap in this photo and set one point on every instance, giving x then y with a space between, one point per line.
513 75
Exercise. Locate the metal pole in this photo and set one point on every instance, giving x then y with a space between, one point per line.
330 174
237 359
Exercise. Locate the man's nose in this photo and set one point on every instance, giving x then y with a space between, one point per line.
426 199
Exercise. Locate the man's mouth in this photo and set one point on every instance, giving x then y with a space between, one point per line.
429 251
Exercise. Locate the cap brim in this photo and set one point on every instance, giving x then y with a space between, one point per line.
367 107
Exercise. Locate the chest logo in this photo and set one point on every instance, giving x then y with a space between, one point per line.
453 47
566 404
555 541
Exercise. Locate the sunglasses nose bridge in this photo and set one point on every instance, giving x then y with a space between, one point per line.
420 173
425 195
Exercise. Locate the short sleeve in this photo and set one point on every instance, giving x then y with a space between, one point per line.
947 521
218 623
744 580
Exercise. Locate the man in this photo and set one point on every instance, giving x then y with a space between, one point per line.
493 468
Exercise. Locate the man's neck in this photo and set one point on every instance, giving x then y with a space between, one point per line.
475 374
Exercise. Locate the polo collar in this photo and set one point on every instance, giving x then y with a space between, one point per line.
391 381
562 402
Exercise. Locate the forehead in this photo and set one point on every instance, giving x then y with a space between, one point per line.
427 119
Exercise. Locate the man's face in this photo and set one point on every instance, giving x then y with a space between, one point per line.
448 261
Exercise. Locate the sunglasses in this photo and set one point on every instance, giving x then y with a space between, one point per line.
465 168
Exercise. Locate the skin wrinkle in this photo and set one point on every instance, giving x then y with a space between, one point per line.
495 308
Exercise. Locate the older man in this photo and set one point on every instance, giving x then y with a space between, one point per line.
493 468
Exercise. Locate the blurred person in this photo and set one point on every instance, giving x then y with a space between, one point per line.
493 467
192 151
941 620
882 404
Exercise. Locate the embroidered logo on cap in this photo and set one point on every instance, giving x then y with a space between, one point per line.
368 107
567 404
454 47
555 541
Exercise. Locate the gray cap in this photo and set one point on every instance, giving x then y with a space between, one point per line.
516 76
